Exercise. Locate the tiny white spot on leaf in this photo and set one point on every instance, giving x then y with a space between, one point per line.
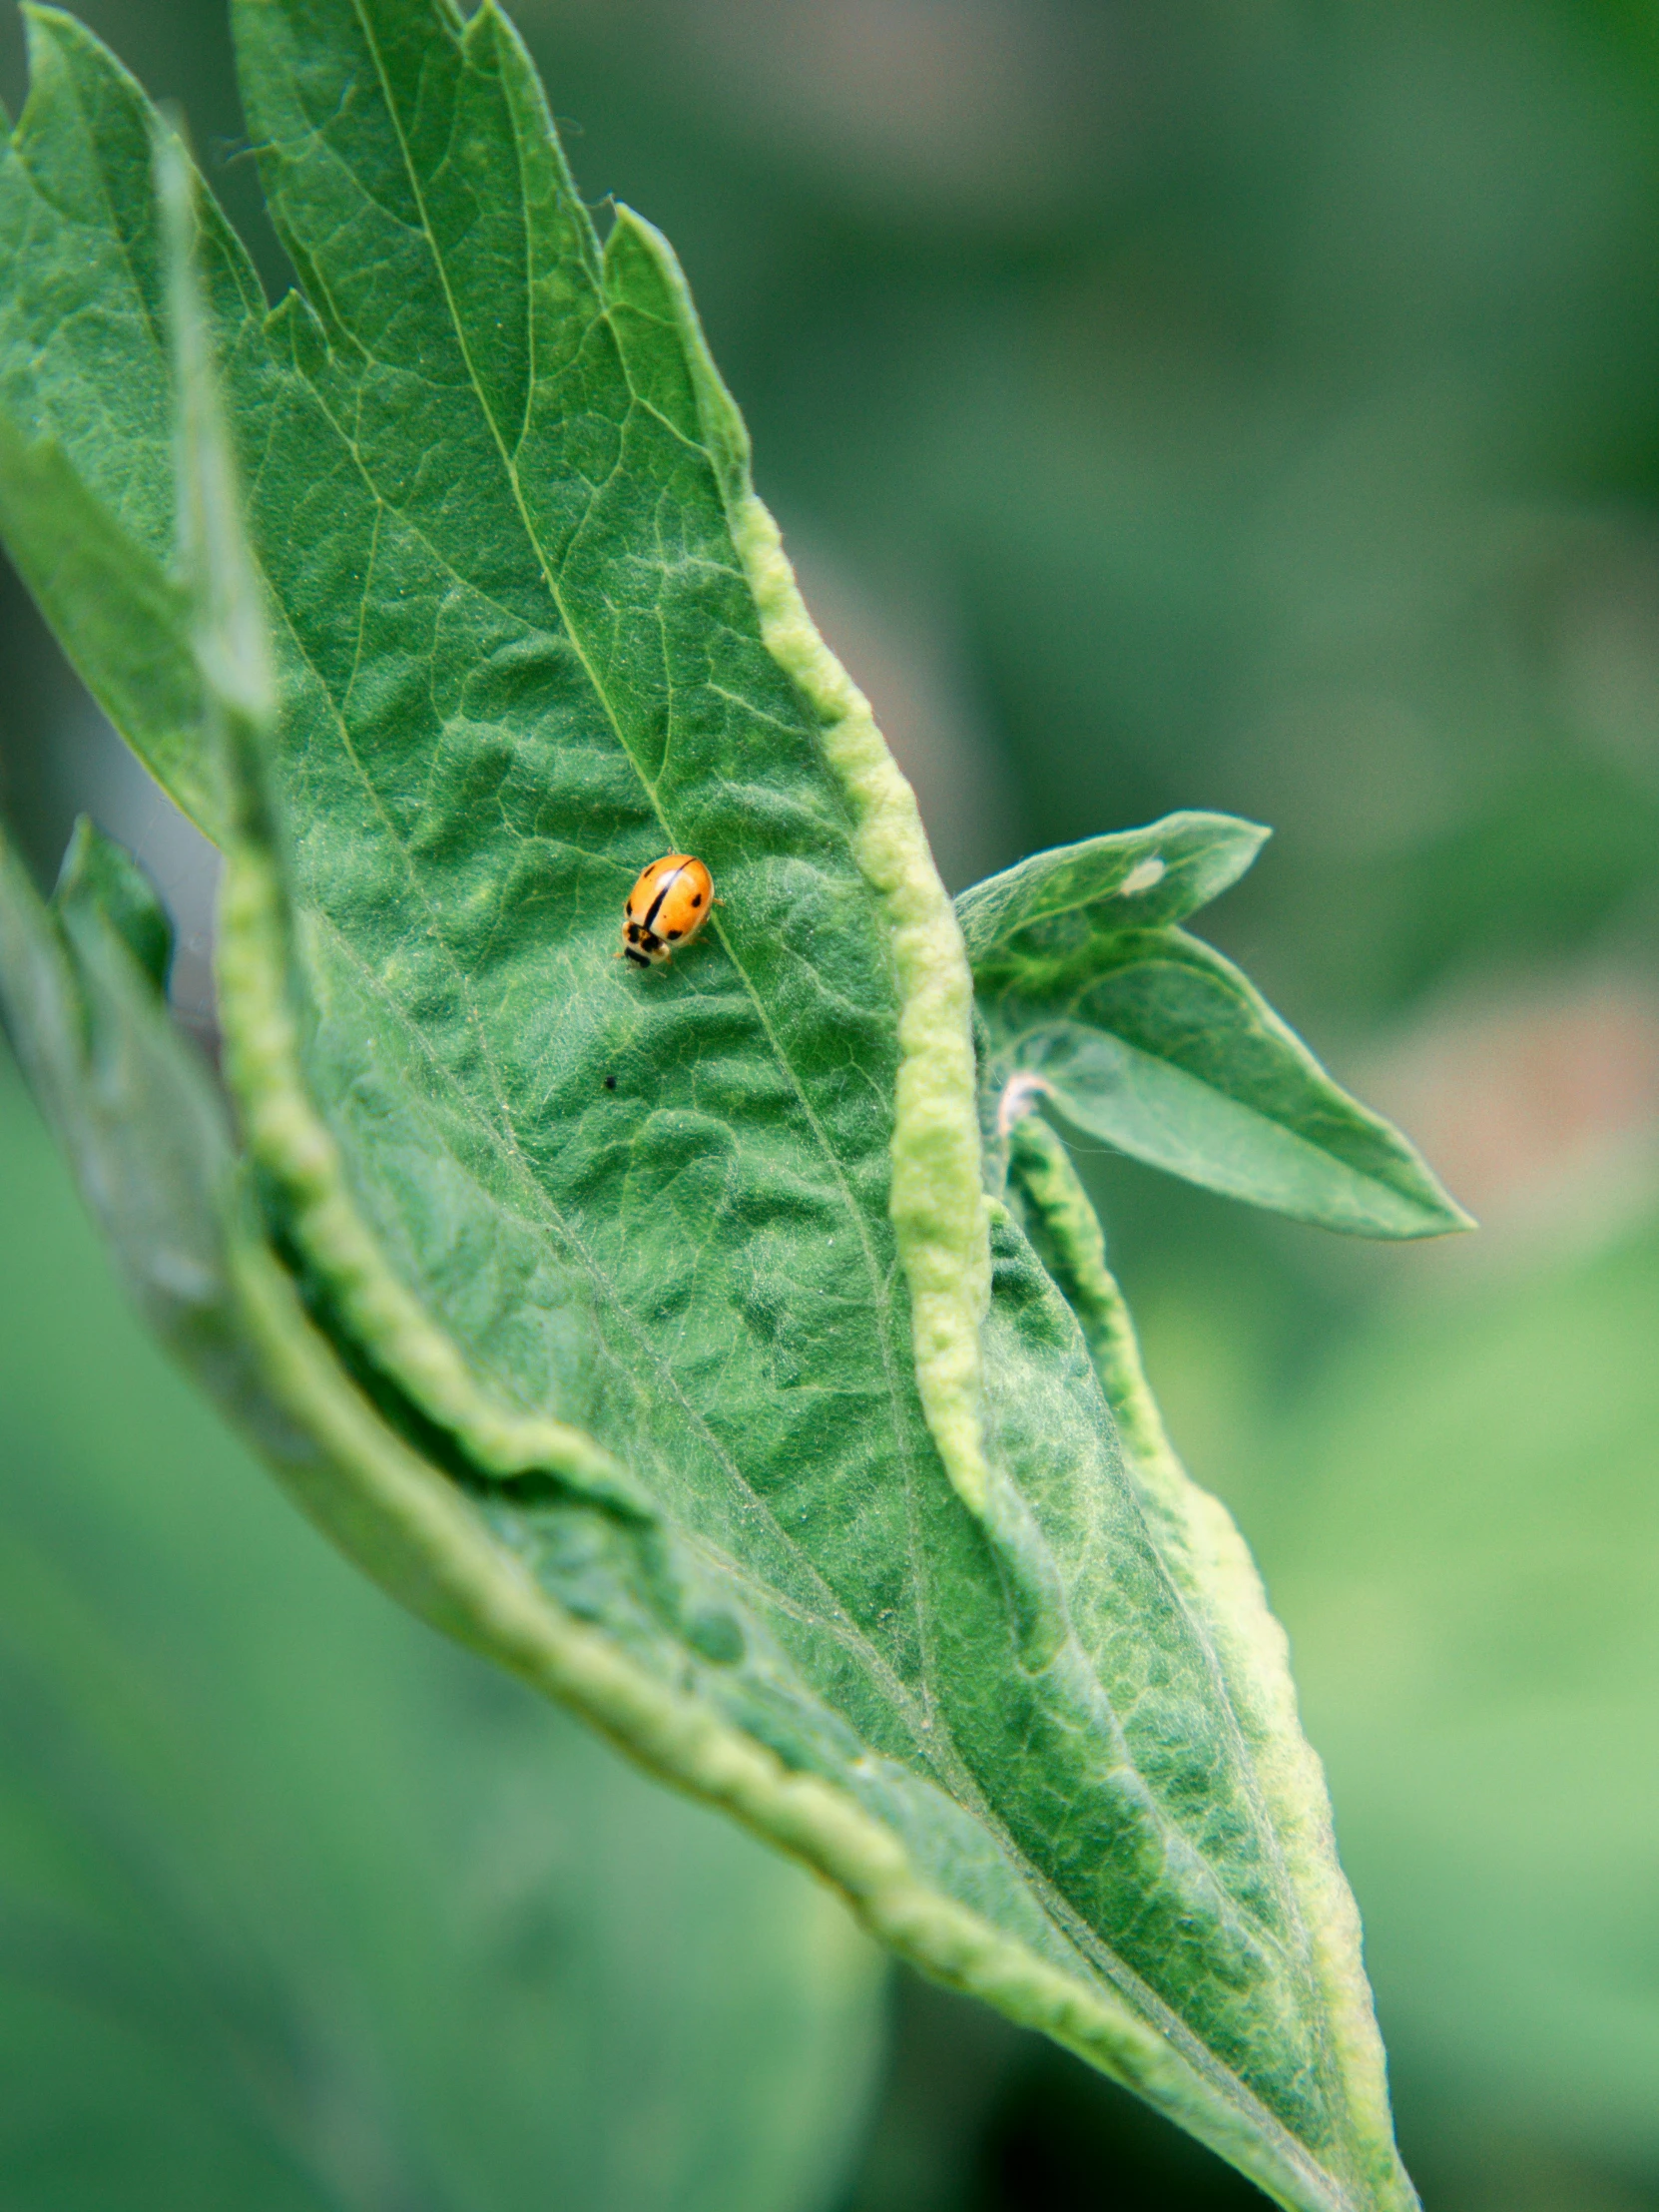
1142 876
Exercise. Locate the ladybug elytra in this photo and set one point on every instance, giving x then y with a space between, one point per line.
665 908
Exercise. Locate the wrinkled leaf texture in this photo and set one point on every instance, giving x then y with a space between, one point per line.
648 1337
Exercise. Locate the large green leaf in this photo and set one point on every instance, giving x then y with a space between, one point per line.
695 1396
300 1908
1150 1041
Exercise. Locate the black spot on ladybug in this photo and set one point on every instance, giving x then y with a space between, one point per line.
673 933
697 898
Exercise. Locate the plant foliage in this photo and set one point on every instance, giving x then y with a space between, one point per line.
229 1980
673 1338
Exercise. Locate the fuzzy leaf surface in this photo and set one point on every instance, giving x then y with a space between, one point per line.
672 1280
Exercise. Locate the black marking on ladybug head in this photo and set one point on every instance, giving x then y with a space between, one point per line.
639 959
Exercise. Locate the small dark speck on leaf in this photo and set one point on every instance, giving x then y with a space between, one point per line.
610 1082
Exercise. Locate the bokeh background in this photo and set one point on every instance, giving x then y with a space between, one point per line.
1233 403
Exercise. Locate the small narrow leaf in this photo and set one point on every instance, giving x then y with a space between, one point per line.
100 877
120 616
1058 906
1157 1046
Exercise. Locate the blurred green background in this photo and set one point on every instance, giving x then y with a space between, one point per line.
1227 404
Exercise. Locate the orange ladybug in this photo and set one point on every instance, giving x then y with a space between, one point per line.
666 907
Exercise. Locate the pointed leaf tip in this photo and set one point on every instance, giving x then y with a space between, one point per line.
1160 1047
1052 908
99 875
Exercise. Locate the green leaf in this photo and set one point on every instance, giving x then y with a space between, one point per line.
86 507
300 1907
120 616
1156 1044
661 1338
1146 1038
100 876
1059 907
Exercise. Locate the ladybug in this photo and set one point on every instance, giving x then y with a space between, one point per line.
666 907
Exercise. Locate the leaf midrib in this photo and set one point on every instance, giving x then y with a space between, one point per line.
878 1300
923 1724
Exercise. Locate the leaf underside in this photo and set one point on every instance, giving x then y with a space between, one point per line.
1152 1041
626 1323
